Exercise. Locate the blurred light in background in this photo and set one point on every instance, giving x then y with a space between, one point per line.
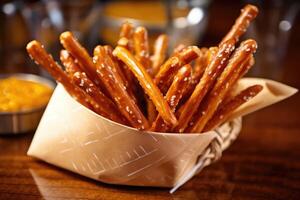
285 25
195 16
9 8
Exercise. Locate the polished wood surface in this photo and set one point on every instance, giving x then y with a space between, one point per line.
263 163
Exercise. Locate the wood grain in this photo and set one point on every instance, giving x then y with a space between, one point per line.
264 162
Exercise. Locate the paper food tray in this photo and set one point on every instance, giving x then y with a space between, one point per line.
73 137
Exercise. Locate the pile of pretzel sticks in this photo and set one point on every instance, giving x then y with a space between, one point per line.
188 92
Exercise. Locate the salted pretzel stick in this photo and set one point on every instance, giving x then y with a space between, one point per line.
115 64
164 77
222 114
223 84
141 47
248 13
126 41
178 49
108 49
42 58
142 54
173 96
147 84
79 78
126 34
159 53
210 74
211 53
200 65
116 88
158 57
249 62
127 73
198 70
71 44
151 111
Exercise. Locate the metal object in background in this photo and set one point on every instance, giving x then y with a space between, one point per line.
23 121
272 30
183 20
14 35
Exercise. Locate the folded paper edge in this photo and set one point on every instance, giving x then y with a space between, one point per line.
266 98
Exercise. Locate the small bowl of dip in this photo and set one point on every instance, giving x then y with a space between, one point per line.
23 98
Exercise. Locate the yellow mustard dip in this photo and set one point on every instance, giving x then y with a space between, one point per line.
21 95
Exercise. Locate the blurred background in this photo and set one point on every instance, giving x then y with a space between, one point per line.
197 22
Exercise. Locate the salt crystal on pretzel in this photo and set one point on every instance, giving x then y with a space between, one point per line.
223 85
173 96
248 13
165 75
222 114
106 106
117 90
210 74
147 84
42 58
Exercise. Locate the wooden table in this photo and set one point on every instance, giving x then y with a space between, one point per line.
264 162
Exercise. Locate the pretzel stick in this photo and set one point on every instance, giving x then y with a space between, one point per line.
159 56
222 114
246 67
79 78
173 96
178 49
199 68
108 49
126 34
248 13
164 77
141 47
223 84
201 63
151 111
249 62
116 66
147 84
42 58
126 41
210 74
160 52
71 44
116 88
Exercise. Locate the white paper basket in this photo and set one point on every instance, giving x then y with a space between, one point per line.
73 137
